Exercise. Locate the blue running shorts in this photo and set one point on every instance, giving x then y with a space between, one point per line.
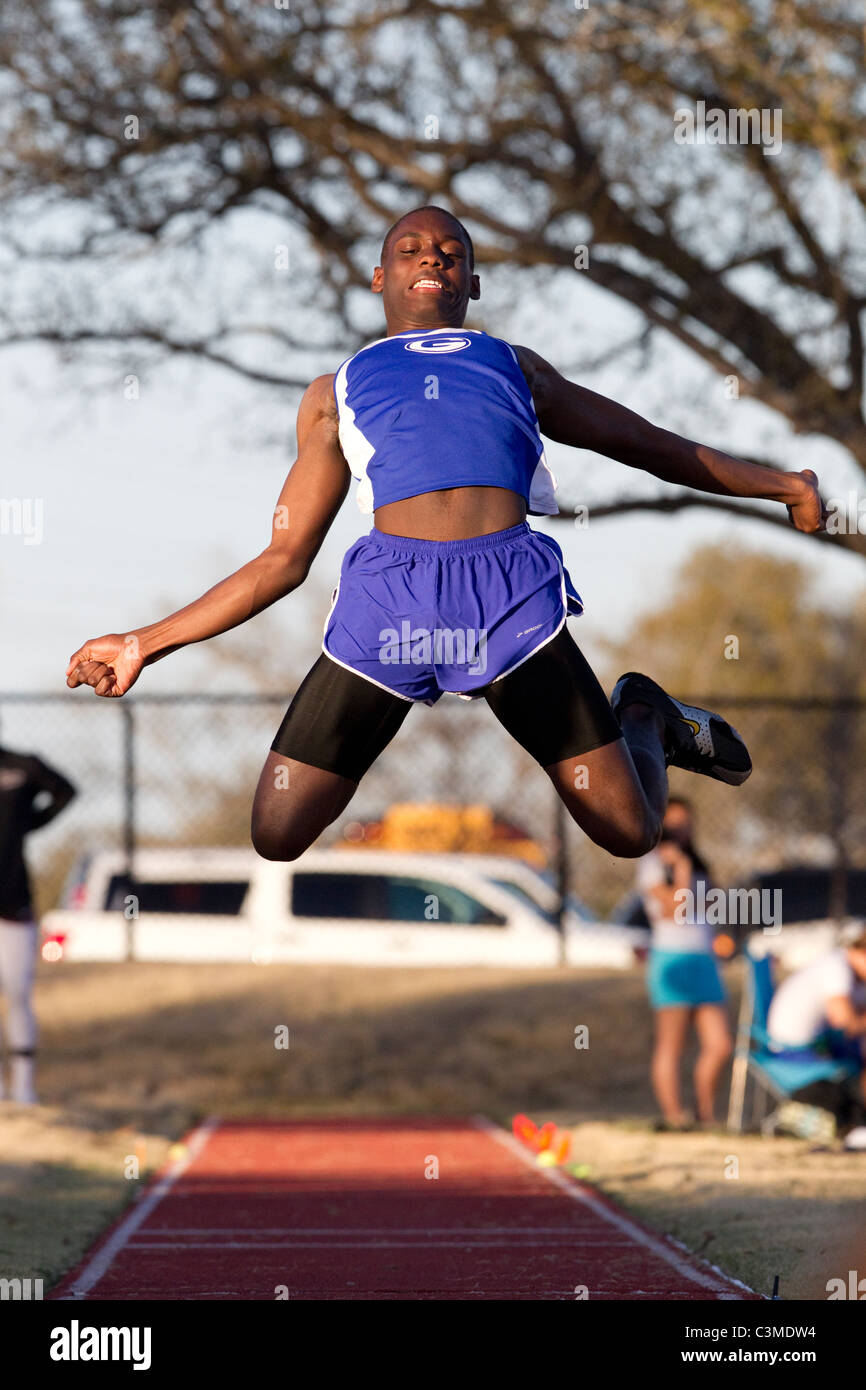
419 618
683 977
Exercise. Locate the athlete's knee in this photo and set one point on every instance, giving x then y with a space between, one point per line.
631 836
625 846
276 841
278 849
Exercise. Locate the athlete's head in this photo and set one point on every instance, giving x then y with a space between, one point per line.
427 274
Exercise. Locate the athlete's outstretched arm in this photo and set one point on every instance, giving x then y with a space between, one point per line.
310 499
571 414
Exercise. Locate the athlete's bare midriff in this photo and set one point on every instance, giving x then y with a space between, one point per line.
452 514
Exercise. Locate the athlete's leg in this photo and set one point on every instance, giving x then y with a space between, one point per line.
671 1026
18 952
336 726
612 779
617 794
293 804
716 1046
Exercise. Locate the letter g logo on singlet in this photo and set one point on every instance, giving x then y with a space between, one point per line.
437 344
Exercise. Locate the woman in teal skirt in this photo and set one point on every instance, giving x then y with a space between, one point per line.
683 978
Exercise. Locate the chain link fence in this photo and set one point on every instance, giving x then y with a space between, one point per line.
182 770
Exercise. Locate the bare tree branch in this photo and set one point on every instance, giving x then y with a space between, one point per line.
669 506
547 120
189 349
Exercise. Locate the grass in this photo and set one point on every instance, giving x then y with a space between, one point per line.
61 1182
754 1207
133 1055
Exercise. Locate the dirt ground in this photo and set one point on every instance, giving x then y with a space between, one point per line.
132 1055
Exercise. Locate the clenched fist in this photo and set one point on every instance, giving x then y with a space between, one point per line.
808 513
111 664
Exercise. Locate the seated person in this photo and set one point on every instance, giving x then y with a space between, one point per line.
823 1006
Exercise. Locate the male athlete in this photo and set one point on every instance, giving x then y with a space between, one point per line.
451 590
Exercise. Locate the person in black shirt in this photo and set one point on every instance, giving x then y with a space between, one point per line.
31 795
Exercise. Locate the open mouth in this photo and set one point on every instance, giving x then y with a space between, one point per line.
426 285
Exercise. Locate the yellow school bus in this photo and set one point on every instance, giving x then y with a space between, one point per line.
437 828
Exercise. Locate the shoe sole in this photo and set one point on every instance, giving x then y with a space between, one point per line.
732 763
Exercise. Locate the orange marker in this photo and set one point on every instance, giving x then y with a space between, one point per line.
544 1137
523 1128
562 1147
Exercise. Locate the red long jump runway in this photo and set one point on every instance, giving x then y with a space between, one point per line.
342 1209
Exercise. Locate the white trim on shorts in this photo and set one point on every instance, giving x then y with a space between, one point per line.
461 694
346 667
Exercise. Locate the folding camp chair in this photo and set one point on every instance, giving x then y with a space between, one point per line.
774 1073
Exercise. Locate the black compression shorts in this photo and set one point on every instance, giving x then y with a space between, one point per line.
552 705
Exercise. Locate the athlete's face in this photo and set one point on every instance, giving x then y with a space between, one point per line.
425 280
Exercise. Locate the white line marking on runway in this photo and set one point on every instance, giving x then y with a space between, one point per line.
617 1219
107 1253
155 1232
414 1244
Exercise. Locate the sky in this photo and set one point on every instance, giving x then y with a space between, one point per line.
147 502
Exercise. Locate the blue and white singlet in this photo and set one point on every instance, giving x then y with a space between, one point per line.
449 407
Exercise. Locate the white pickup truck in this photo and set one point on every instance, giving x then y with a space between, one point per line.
361 907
